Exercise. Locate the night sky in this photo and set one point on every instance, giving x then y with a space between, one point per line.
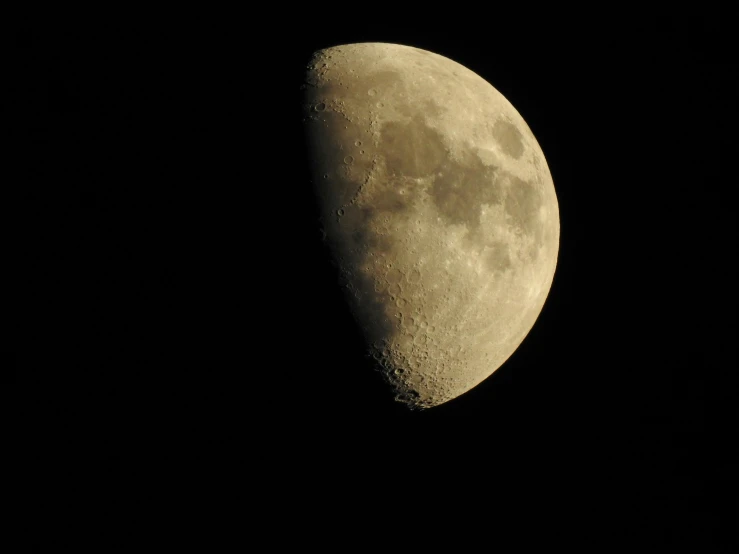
171 299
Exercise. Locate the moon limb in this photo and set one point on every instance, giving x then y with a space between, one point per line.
438 206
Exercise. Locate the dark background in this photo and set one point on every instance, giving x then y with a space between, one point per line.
173 312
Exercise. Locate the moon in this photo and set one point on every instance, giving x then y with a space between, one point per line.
438 208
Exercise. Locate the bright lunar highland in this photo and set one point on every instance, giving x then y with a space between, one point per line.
438 208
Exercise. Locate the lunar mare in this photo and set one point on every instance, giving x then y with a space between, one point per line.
439 208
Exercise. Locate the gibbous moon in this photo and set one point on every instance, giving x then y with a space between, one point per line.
438 208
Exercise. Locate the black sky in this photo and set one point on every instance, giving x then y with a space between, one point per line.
172 293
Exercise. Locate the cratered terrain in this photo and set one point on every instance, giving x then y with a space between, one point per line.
438 207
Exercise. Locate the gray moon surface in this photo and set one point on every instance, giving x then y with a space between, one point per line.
438 207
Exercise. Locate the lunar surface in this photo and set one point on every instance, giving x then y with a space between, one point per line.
438 207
